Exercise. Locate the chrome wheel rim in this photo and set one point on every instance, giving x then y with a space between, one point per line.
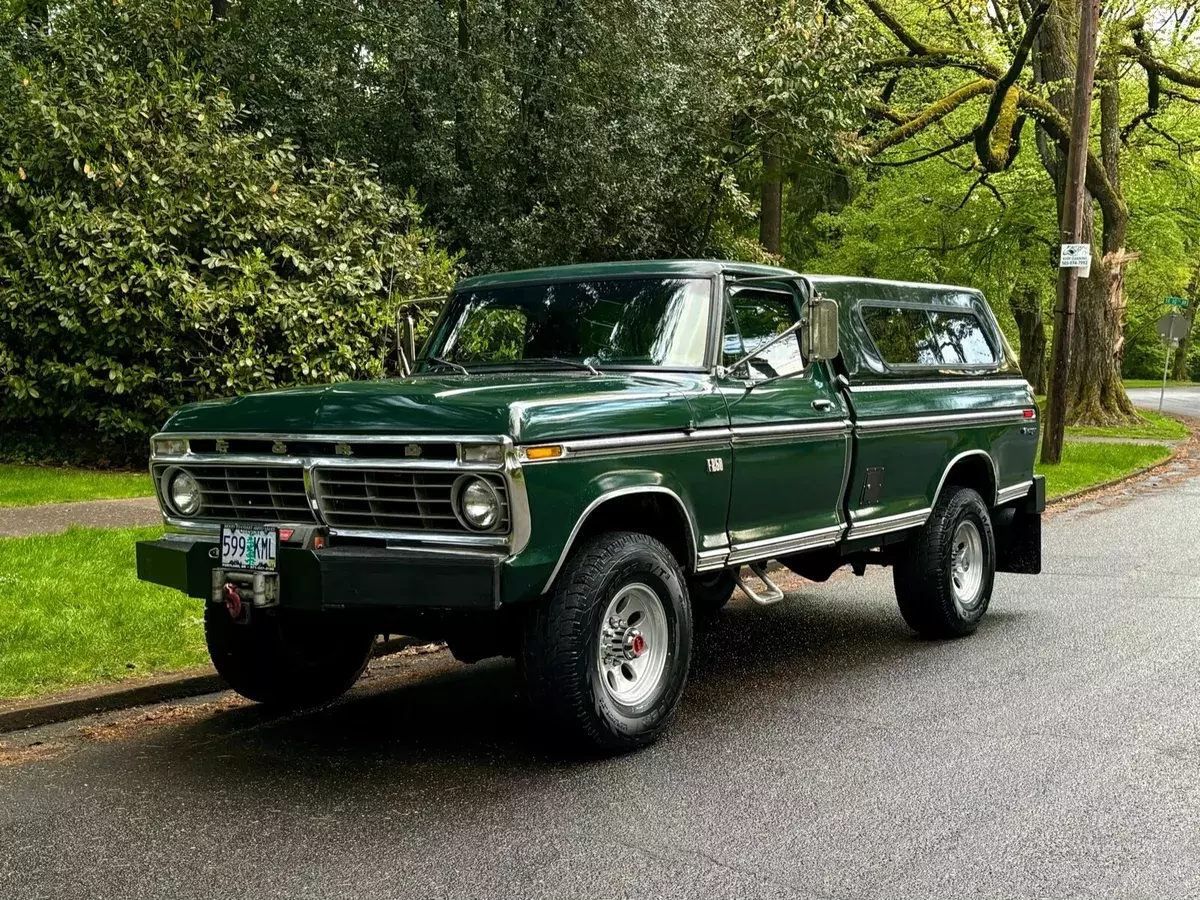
966 566
632 651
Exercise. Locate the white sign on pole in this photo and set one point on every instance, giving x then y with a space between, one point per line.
1076 256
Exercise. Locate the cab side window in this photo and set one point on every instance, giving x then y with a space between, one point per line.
904 337
914 336
752 319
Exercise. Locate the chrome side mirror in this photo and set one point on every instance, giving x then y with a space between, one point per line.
819 337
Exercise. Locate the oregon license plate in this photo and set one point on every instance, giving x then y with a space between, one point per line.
248 548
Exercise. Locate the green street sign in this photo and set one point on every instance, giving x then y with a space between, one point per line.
1176 301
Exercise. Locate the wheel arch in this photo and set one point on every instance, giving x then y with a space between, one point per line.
975 469
660 512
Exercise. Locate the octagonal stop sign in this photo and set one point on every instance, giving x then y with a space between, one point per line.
1172 327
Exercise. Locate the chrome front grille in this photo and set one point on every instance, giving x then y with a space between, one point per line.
397 500
238 493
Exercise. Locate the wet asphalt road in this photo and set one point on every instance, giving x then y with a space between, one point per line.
821 751
1184 401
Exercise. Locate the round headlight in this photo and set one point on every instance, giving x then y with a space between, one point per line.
184 493
478 504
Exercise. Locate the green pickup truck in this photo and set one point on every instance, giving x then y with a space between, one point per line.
585 461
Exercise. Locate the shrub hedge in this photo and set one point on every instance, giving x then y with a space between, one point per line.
154 251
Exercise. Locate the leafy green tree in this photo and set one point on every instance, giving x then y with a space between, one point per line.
550 131
971 85
153 250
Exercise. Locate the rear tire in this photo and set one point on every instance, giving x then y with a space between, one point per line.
606 655
286 660
710 591
945 571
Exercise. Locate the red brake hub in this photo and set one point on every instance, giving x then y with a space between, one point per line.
637 645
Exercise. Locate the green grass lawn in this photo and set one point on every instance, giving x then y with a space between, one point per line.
1155 382
73 612
28 485
1084 465
1154 426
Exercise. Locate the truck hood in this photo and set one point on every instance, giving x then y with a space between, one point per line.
524 406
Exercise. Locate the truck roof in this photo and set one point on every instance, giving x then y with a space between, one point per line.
702 268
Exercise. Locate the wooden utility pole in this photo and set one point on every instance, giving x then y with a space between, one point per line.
1072 228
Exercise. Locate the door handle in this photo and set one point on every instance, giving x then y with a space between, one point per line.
822 405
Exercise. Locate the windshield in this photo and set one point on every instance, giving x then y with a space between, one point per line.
620 322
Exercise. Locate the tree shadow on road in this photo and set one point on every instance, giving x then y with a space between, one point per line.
444 725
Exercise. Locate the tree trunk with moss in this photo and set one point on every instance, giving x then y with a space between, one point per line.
1026 306
1095 392
1179 368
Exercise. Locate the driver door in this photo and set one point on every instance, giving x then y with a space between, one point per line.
791 443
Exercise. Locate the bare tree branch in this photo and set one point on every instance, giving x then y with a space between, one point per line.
953 145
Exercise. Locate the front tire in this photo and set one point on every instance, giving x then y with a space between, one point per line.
606 655
286 660
944 573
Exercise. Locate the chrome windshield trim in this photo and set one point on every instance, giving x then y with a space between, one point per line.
982 417
931 385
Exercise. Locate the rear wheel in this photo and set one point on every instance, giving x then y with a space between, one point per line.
288 660
606 654
710 591
945 572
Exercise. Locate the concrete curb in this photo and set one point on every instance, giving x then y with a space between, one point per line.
87 701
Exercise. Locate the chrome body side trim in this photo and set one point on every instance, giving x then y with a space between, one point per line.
1013 492
990 501
708 560
905 423
612 495
885 524
662 440
782 546
793 431
700 437
928 385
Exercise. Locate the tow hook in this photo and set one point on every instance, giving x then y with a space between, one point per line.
238 591
233 602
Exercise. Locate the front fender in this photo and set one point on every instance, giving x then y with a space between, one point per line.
563 493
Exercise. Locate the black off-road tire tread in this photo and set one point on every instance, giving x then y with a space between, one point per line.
709 600
923 589
254 660
558 631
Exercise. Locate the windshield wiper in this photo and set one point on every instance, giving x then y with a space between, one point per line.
438 361
574 364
